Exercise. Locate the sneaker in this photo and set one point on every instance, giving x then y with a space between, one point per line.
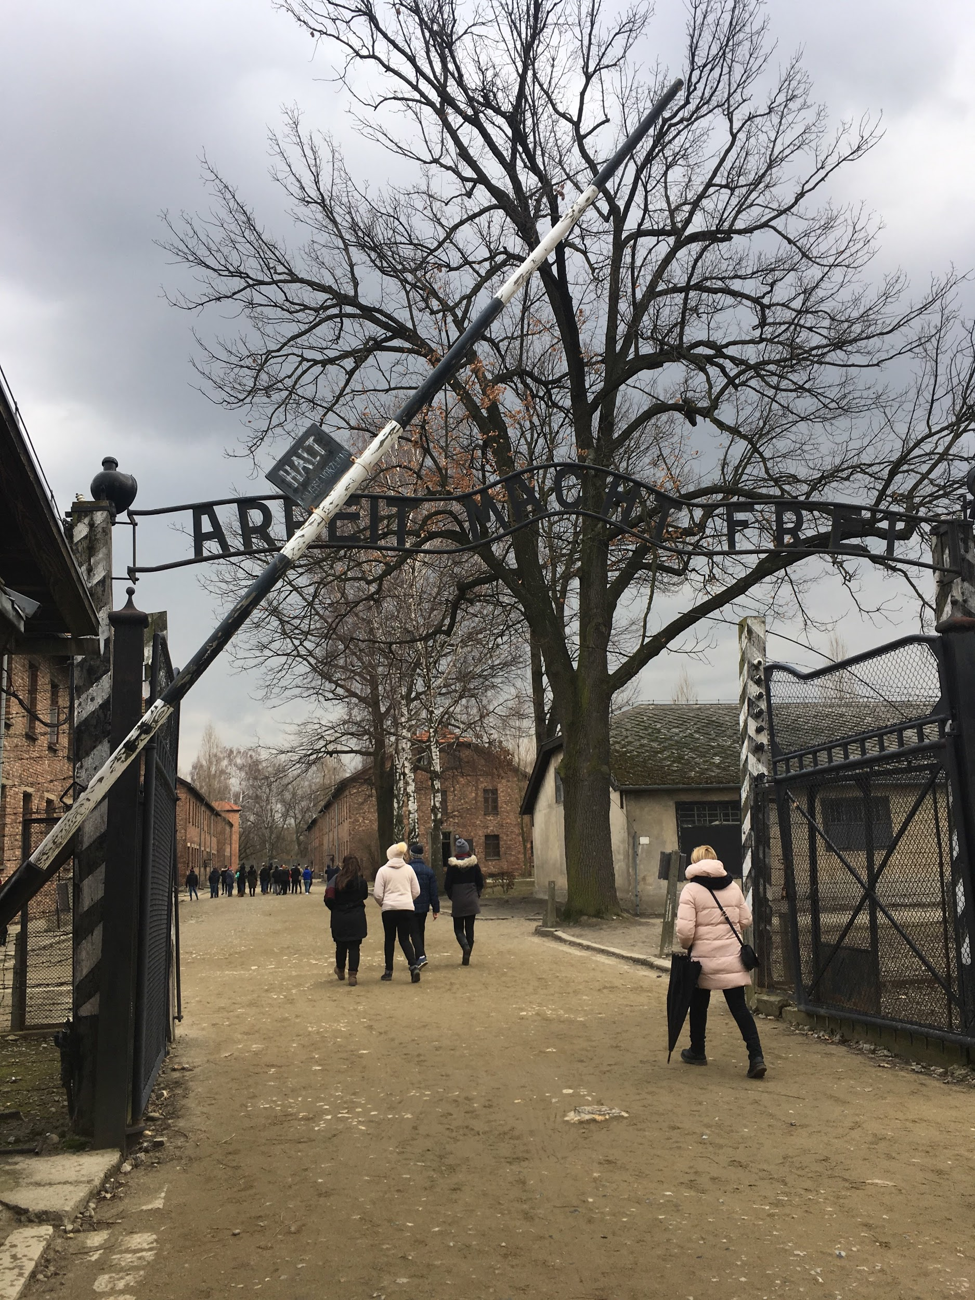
386 975
466 959
415 974
693 1058
353 981
340 973
757 1067
422 961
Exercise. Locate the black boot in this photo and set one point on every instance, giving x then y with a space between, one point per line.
690 1057
756 1065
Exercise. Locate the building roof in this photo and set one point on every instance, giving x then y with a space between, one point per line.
35 558
201 797
661 746
675 745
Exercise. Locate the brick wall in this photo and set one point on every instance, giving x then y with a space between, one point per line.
37 765
482 794
204 837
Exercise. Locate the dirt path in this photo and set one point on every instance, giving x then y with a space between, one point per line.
408 1141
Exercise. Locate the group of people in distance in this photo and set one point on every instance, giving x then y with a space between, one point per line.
272 879
406 891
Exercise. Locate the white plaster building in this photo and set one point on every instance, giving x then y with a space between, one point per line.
675 784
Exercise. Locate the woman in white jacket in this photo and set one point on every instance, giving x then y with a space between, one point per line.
395 889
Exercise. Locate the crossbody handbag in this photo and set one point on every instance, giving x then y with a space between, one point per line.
749 957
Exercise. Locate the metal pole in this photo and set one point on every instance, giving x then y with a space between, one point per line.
28 878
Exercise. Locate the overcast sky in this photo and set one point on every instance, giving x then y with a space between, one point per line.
106 110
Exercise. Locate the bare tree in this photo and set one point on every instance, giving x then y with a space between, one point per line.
713 326
684 691
212 769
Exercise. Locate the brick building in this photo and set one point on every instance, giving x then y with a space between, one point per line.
205 836
36 755
482 791
232 813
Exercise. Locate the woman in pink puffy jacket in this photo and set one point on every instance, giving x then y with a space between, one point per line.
702 928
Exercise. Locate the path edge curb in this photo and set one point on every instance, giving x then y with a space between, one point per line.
638 959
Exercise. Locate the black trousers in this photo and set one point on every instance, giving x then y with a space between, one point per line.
350 950
464 930
399 925
420 937
735 998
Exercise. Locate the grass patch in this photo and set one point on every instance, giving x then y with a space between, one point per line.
30 1082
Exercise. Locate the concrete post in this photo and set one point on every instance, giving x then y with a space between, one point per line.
90 534
753 734
953 553
551 916
670 904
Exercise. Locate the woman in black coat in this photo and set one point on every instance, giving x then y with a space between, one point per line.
345 898
462 884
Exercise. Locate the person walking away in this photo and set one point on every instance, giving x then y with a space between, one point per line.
395 890
228 882
345 899
306 877
428 900
265 877
252 879
214 879
241 881
703 928
296 879
462 883
192 884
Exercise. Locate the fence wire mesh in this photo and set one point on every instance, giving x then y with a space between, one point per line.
36 964
859 906
841 703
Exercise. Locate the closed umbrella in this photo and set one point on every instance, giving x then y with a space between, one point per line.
683 980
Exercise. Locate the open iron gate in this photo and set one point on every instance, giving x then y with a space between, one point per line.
872 779
157 971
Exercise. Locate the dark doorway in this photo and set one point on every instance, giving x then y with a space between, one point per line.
716 824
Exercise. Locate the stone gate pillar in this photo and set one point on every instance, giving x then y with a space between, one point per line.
90 534
953 553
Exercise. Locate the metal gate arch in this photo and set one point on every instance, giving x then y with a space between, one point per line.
872 776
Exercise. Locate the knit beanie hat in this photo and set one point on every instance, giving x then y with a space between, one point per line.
396 850
462 847
416 850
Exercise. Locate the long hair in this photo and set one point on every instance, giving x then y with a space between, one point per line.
349 871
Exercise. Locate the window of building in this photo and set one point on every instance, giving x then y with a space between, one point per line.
709 814
559 789
33 678
492 847
54 720
490 795
3 824
845 822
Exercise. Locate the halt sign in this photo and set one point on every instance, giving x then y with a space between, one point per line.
310 467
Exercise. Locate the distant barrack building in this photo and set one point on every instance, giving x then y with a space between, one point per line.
206 833
481 796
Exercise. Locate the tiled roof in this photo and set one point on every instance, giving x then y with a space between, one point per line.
675 745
